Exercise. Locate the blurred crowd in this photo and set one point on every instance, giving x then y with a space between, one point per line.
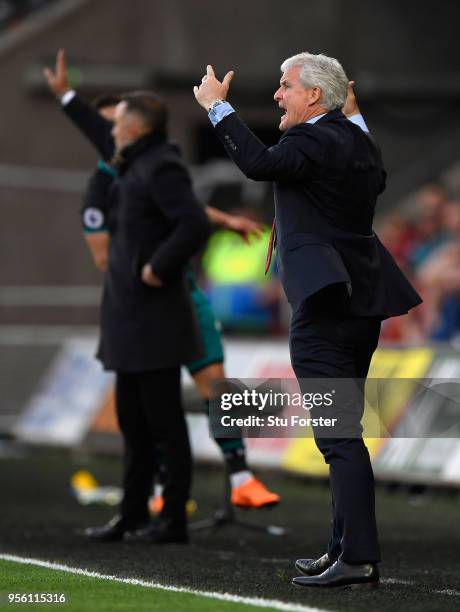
425 240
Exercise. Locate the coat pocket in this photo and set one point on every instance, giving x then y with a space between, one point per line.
308 265
290 242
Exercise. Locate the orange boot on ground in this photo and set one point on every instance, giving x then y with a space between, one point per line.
253 494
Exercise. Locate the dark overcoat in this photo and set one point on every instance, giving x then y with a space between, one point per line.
154 218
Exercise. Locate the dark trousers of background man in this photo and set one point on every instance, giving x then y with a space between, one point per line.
151 418
325 342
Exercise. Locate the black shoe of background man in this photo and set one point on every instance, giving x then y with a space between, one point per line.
114 530
314 567
342 574
161 531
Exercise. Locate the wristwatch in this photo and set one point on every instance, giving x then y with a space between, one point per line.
214 105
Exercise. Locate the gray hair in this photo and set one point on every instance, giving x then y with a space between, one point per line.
323 72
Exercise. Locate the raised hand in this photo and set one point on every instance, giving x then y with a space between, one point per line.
58 81
211 88
351 104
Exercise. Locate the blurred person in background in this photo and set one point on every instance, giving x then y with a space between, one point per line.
148 325
439 277
451 220
339 279
243 297
95 218
426 247
397 234
429 232
96 123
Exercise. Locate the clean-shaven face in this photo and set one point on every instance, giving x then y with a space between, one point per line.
295 100
126 127
108 112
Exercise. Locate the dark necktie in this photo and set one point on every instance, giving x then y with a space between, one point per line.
271 246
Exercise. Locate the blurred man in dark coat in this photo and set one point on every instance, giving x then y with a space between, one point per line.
339 279
147 320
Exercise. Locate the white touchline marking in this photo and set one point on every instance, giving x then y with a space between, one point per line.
250 601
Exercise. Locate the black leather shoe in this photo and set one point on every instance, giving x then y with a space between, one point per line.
314 567
114 531
161 531
342 574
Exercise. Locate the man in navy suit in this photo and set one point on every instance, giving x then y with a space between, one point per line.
339 279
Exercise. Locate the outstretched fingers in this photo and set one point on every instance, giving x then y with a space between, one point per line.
61 64
48 75
227 78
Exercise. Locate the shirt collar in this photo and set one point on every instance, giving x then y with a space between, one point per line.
315 119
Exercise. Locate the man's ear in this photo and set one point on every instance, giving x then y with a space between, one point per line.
315 95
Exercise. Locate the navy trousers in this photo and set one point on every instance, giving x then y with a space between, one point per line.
327 342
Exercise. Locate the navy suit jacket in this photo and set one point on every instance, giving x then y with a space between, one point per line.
327 177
